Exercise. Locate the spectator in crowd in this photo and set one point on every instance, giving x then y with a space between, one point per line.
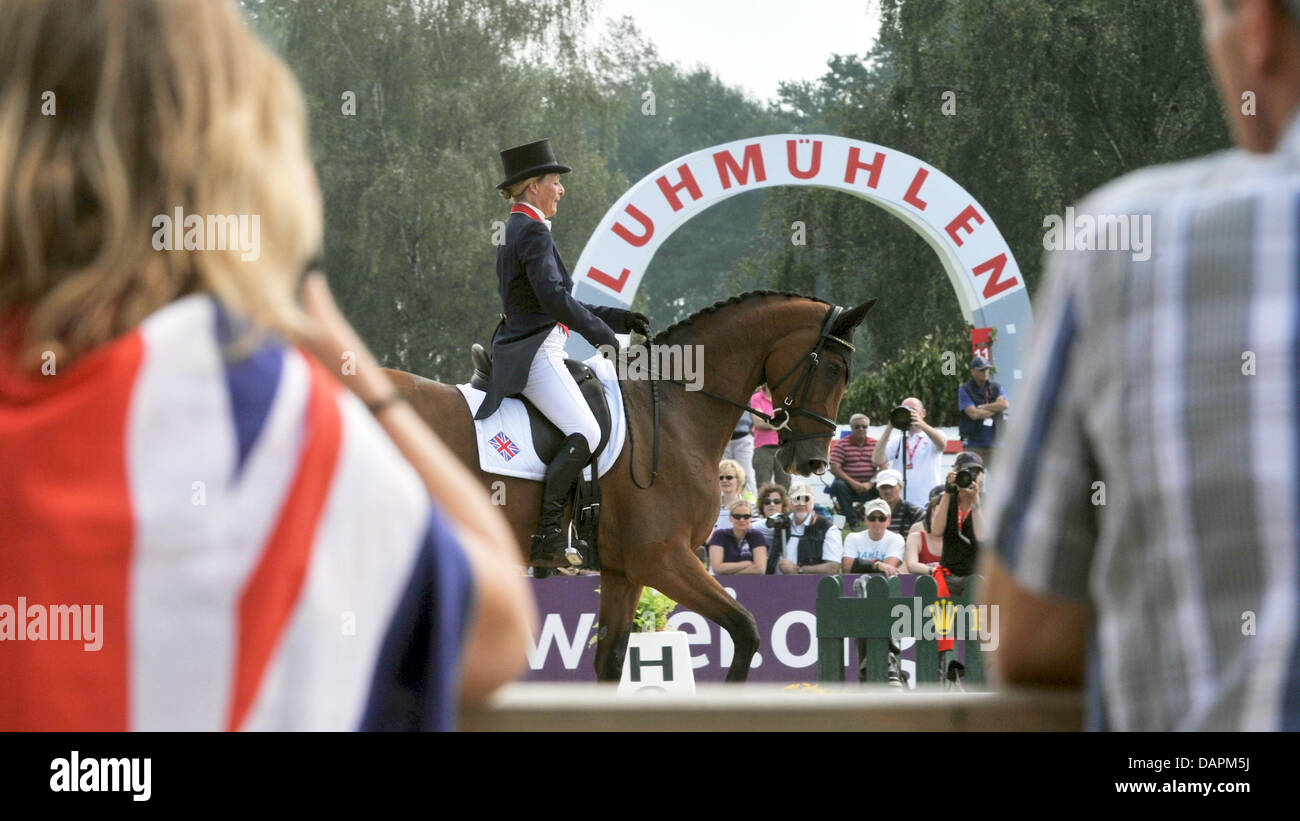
773 504
981 402
178 372
923 446
739 548
877 549
1121 388
767 468
741 450
731 480
854 472
959 521
813 545
902 514
924 548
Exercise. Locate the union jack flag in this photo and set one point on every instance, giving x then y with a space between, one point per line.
504 446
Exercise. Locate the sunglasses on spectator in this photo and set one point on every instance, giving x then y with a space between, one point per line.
859 427
775 500
740 515
802 498
876 517
725 478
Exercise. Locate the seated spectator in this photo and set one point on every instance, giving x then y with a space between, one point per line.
741 449
923 547
187 465
739 548
902 514
772 510
924 448
854 472
767 468
877 549
813 546
982 403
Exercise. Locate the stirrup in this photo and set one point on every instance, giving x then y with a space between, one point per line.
542 557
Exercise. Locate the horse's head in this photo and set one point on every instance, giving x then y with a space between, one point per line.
807 371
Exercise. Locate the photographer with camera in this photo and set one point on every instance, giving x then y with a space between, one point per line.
812 545
960 523
916 453
772 515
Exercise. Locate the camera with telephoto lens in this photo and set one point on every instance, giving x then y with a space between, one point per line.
901 417
965 478
781 521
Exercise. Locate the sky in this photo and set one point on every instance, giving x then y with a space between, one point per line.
755 44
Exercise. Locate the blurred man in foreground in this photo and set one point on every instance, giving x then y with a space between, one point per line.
1150 488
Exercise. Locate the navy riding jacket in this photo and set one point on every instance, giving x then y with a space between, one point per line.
535 294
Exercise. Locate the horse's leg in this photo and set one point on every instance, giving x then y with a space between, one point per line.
682 577
618 598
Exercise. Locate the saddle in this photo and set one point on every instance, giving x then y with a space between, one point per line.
547 439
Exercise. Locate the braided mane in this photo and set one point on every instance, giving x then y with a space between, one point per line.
735 300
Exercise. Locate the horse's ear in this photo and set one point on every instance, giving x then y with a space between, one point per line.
851 319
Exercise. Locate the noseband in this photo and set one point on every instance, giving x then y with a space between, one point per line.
779 418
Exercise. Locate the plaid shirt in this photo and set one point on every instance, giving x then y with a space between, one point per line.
1175 381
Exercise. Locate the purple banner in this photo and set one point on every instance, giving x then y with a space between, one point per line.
783 606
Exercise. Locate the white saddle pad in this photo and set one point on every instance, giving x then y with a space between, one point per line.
505 439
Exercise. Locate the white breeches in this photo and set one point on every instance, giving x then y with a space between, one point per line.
552 389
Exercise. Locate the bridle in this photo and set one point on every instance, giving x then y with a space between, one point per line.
799 392
779 418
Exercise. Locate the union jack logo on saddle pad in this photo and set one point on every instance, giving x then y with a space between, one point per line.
504 446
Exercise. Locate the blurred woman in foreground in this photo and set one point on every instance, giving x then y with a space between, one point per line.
245 545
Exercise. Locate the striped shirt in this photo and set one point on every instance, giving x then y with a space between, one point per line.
252 548
1152 468
854 460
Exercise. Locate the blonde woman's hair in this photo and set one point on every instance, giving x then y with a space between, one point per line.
113 114
515 192
733 466
731 508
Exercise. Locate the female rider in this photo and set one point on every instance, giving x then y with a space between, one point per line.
538 313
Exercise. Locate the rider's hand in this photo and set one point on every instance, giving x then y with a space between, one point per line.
638 323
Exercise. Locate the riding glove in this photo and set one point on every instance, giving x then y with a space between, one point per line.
638 323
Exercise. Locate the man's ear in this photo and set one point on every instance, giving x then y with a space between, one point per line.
1265 27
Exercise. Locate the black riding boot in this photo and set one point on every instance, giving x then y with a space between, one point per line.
561 475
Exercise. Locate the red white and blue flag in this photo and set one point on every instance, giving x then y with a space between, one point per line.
504 446
263 557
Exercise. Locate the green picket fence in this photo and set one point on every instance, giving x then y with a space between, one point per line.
874 617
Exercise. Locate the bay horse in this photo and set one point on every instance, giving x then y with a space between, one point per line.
798 345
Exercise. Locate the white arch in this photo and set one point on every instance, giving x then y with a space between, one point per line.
977 260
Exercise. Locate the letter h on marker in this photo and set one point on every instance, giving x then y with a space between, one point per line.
665 661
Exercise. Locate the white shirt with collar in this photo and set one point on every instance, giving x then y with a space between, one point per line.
540 216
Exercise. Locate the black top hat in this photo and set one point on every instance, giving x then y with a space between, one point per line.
529 160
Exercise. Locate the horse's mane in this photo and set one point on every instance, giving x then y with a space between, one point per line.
722 303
